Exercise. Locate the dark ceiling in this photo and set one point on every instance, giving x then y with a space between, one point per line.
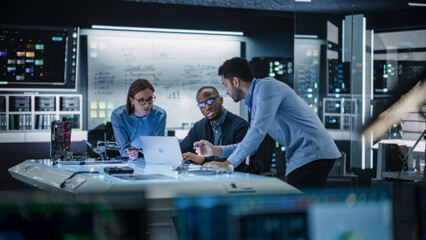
315 6
250 16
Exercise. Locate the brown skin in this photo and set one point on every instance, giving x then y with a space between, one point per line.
237 89
212 112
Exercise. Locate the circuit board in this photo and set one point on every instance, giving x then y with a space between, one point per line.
61 135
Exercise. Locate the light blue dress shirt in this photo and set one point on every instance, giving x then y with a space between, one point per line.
277 110
127 129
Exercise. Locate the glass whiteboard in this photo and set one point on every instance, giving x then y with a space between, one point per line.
177 68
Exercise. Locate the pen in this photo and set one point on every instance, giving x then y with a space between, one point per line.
195 147
137 149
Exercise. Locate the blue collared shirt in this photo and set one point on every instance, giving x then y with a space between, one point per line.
277 110
127 129
217 129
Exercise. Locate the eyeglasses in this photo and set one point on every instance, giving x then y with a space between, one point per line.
142 101
209 101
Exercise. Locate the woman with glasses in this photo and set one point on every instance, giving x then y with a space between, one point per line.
139 117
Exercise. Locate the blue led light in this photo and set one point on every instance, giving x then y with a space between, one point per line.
207 201
57 39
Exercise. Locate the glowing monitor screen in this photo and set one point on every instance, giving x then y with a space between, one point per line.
38 58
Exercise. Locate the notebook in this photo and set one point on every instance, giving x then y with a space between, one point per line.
161 150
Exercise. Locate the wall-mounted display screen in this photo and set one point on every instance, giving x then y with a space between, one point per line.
35 58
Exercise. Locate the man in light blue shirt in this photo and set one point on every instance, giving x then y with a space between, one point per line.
275 109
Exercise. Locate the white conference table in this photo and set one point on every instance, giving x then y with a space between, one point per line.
156 181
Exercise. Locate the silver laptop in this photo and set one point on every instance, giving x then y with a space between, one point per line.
161 150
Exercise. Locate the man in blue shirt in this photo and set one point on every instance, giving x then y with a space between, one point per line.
219 127
275 109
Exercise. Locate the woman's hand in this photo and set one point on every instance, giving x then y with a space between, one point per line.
132 153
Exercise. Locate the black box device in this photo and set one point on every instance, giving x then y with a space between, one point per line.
117 170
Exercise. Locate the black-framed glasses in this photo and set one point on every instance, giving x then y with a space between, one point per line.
142 101
209 101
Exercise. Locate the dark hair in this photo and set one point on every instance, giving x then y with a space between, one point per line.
137 86
236 67
208 87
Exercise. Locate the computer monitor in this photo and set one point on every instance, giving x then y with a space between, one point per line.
287 216
43 215
38 58
367 220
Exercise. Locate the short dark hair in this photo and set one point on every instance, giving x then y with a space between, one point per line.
137 86
236 67
208 87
